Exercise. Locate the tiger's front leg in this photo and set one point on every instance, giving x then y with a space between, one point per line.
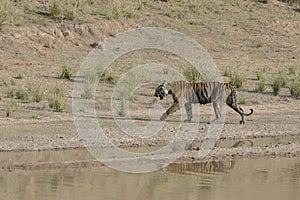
188 109
171 110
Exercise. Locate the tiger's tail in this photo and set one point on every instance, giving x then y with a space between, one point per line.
239 110
246 114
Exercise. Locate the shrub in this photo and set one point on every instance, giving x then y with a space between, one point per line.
227 73
11 107
10 92
91 76
260 75
130 12
35 116
192 74
261 85
115 12
20 76
295 87
55 9
166 70
278 82
13 82
67 9
141 5
237 79
38 93
66 73
23 93
87 93
284 79
122 111
107 77
276 86
242 100
56 99
292 70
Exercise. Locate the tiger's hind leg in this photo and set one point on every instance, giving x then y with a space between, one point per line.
217 109
188 109
171 110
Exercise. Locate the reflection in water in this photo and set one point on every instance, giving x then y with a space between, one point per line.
247 179
202 167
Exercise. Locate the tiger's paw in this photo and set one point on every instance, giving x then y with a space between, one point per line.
188 120
163 117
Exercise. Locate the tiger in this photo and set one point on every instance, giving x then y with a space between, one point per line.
186 93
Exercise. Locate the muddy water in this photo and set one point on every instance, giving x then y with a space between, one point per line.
243 179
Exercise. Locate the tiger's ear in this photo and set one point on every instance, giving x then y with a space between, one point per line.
170 91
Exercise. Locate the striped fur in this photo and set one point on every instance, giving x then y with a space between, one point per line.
185 93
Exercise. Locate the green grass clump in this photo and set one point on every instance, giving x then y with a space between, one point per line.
120 9
261 85
122 110
276 86
242 101
28 93
292 70
141 4
35 116
192 74
87 92
227 73
13 82
166 70
279 82
38 93
69 9
115 12
55 9
56 100
108 78
295 87
92 76
20 76
237 79
23 93
11 107
261 74
66 73
7 8
10 92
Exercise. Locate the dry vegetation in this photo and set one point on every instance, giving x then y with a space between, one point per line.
42 44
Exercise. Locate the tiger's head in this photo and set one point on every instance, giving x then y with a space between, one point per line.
161 91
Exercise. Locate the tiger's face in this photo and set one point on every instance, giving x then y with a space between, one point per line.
160 92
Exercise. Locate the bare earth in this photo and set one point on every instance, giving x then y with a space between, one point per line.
243 34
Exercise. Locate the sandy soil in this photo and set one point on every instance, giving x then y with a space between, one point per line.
243 34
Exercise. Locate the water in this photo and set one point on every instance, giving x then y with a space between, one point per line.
244 179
